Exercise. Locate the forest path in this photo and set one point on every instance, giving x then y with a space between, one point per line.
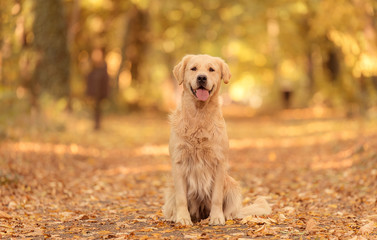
318 173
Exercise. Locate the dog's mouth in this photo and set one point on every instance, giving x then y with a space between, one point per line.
201 93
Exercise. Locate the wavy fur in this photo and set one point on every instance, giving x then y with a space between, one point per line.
198 149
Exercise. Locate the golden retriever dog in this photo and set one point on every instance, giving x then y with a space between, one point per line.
199 147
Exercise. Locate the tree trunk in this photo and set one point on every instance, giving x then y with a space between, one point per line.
123 51
70 42
310 72
50 42
136 43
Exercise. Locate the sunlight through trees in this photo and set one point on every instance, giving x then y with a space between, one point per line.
282 53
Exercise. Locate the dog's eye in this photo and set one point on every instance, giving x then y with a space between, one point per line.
193 69
211 69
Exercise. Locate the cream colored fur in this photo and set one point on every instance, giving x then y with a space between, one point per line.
199 151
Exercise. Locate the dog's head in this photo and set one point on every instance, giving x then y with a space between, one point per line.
201 75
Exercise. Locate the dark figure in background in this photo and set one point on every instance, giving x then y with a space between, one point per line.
287 98
286 91
98 84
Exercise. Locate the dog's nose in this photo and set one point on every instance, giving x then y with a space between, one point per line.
202 79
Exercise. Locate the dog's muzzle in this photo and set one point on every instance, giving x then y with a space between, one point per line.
201 93
202 80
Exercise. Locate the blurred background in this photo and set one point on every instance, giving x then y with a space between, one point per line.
282 54
300 109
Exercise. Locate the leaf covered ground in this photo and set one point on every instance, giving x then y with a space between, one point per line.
319 173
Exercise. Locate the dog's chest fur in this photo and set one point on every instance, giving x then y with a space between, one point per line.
200 140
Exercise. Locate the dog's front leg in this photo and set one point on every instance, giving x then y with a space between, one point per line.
180 185
217 214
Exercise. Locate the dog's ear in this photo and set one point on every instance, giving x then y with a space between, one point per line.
179 69
225 72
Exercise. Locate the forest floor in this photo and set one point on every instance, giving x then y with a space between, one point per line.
317 170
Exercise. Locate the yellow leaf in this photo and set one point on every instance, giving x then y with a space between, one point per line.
103 232
260 229
229 222
5 226
5 215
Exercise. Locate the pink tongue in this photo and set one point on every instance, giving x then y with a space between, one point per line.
202 94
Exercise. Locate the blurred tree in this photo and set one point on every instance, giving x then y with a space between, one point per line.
50 43
137 40
135 43
270 46
11 40
332 64
71 35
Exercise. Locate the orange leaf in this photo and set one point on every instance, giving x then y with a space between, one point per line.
5 215
311 225
367 228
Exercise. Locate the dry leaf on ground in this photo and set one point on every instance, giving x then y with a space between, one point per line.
367 228
5 215
102 189
311 225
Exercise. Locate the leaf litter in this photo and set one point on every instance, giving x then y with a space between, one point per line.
321 182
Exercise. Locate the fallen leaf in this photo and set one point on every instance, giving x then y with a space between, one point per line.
333 206
191 236
358 238
257 220
12 205
104 232
204 221
311 225
229 222
5 226
372 217
83 217
5 215
238 234
260 229
367 228
289 210
121 224
282 217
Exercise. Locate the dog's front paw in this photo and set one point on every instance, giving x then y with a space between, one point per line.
220 220
184 221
